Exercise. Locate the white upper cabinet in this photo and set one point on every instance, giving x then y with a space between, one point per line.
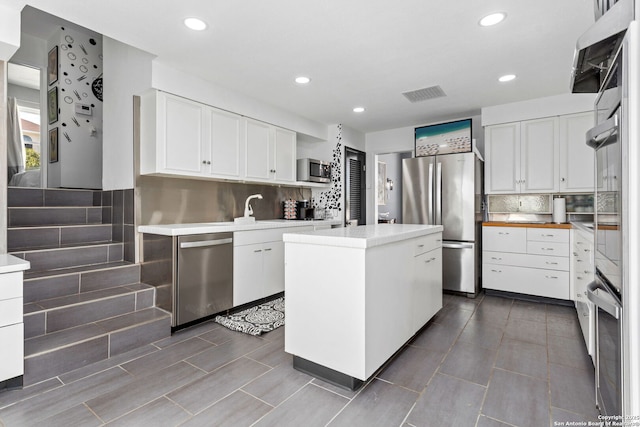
186 138
271 152
502 162
539 156
576 158
546 155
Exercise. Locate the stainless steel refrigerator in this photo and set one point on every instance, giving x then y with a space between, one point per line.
447 190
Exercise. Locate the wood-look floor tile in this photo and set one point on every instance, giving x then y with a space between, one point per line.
310 407
277 385
482 334
573 389
185 334
490 422
237 409
143 390
560 417
167 356
9 397
517 399
412 368
215 357
79 415
525 310
447 401
469 362
523 357
160 412
564 326
200 394
569 352
366 409
271 354
436 338
526 330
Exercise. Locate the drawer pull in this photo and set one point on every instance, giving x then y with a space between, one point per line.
579 277
551 263
268 249
421 246
575 254
549 235
551 277
579 260
429 260
497 271
547 249
587 250
438 240
580 243
503 233
496 258
587 272
257 250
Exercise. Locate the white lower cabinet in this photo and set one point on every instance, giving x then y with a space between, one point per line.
533 261
258 263
426 295
582 267
11 321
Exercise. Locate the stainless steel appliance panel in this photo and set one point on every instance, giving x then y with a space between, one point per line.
459 266
455 181
608 345
204 276
418 181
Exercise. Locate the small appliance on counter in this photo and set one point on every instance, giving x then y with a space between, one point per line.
289 209
312 170
559 210
304 210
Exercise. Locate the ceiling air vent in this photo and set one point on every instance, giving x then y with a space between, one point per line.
424 94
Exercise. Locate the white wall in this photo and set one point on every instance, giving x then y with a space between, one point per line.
537 108
9 31
183 84
399 140
127 72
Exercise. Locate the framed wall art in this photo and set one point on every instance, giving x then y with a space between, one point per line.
443 138
53 145
52 105
52 66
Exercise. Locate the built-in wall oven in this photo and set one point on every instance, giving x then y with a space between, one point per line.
608 139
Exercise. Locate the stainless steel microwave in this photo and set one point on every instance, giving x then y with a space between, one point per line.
312 170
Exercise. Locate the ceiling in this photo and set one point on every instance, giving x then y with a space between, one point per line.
357 52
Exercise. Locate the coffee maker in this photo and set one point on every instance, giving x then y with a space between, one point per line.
304 210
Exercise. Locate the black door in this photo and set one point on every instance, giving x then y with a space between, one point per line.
355 187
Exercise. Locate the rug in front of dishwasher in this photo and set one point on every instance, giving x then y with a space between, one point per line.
256 320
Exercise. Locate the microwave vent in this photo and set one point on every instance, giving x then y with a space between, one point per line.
424 94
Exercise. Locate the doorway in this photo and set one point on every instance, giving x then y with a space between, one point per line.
388 186
355 187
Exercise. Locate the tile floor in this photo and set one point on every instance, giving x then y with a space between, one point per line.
486 362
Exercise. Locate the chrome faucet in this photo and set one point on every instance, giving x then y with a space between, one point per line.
248 210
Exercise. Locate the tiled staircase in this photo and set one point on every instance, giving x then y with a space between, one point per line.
82 302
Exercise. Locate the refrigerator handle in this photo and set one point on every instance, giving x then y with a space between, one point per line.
430 195
438 206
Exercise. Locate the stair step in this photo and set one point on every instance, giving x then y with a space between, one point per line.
56 314
33 197
43 216
76 280
30 238
53 354
74 256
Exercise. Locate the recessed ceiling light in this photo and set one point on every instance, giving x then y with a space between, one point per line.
302 80
507 78
358 110
195 24
492 19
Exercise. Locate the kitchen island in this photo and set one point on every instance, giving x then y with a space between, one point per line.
356 295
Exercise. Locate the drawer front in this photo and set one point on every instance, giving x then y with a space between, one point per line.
11 285
10 311
546 283
525 260
504 239
12 355
241 238
548 248
548 235
425 244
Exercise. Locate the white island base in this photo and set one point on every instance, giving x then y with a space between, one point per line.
356 295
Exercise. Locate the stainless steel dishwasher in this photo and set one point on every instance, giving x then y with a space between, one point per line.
204 284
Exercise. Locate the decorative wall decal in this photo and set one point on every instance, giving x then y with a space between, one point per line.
96 87
68 38
93 43
52 105
84 94
52 66
77 95
64 47
332 198
53 145
67 81
68 99
83 49
81 78
84 68
66 135
74 120
85 61
71 56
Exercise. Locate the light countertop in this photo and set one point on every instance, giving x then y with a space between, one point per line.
11 264
565 225
364 236
226 227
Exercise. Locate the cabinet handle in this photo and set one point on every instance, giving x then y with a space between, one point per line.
547 249
208 162
562 179
549 235
587 272
551 263
579 243
421 246
579 278
587 250
575 254
551 277
503 233
496 258
257 250
497 271
267 250
204 162
578 260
